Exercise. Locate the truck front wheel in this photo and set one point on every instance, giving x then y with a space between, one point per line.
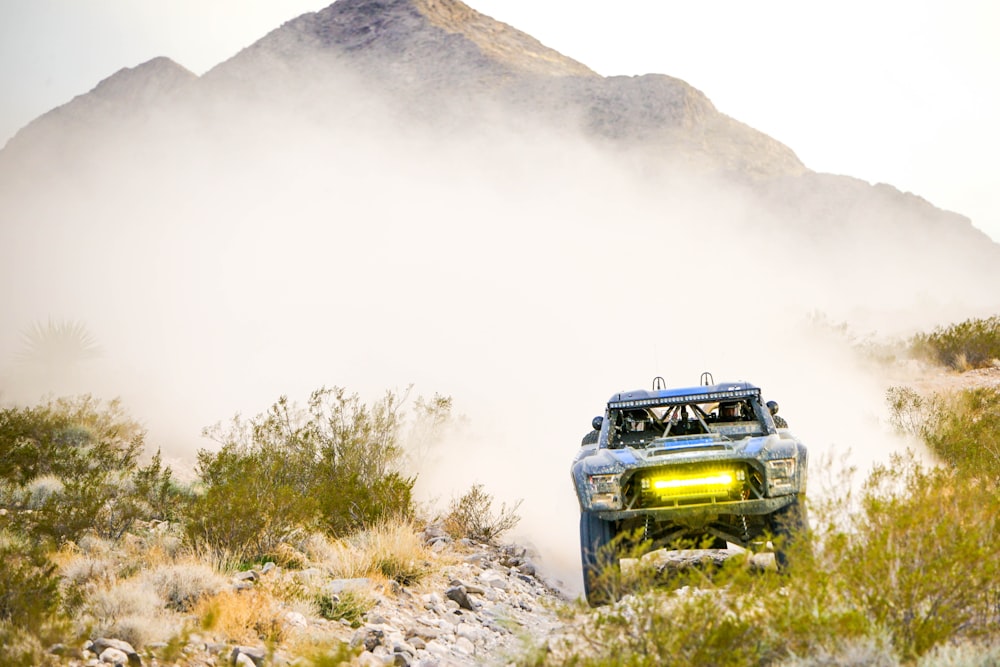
790 527
599 557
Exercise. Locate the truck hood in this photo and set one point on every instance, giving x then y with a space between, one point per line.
689 448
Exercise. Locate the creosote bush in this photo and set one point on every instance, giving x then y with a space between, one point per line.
74 462
29 586
974 343
962 428
473 515
333 466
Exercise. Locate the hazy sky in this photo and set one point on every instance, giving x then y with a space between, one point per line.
905 93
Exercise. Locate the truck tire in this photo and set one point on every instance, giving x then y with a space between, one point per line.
790 527
596 554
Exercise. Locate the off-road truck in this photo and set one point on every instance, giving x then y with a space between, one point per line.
691 467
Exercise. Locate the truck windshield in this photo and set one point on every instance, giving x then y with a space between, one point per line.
640 426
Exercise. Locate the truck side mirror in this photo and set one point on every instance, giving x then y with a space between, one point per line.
596 423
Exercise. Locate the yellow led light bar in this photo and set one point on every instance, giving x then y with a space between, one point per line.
720 479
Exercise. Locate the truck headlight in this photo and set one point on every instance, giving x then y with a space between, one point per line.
605 491
781 475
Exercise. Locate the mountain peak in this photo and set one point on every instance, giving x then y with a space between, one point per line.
145 83
388 19
126 94
398 37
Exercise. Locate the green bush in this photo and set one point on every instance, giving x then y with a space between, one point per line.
961 428
29 587
30 601
347 606
333 465
964 430
73 463
974 343
472 515
67 438
160 497
921 557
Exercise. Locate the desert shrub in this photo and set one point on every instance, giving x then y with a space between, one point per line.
102 503
180 586
22 648
922 559
250 505
348 503
131 602
473 515
73 463
672 629
332 465
962 428
29 586
431 420
974 343
67 438
331 655
350 606
733 614
908 410
161 498
358 480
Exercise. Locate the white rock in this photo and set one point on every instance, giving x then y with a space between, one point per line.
435 647
463 645
114 656
296 620
369 660
469 631
494 579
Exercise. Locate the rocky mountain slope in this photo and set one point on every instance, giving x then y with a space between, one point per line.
439 64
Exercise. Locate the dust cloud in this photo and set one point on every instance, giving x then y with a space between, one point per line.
527 273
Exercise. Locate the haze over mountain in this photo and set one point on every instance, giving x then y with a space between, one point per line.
395 191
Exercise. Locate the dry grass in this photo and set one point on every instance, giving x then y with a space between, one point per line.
81 569
395 551
337 557
249 616
392 550
129 610
963 654
181 585
41 489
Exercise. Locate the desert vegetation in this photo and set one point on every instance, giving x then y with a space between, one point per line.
98 539
973 343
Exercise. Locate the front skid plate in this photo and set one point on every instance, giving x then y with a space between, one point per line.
741 507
